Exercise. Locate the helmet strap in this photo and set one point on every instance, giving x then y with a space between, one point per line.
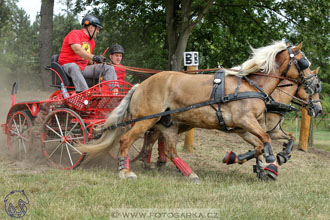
89 34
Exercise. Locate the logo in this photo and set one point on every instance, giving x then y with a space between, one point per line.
15 204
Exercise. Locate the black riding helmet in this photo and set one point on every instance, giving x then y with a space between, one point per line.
116 48
91 20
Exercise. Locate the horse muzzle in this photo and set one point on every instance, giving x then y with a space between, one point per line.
314 110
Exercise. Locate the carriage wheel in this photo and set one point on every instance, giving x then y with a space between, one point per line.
62 131
19 132
134 153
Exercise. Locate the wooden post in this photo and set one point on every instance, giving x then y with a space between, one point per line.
191 62
304 130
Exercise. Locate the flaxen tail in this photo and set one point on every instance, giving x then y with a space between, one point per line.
110 137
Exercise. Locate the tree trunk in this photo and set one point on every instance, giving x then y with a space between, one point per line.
46 39
179 27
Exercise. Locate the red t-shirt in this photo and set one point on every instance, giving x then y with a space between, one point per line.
120 72
67 55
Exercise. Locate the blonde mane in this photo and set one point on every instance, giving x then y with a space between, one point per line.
263 60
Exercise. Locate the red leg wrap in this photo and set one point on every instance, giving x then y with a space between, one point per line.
161 151
182 166
123 163
149 156
272 168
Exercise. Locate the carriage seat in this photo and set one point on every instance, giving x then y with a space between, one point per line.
56 82
59 69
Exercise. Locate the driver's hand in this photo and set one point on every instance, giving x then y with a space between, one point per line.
98 59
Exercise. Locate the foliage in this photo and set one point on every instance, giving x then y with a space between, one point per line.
18 43
223 37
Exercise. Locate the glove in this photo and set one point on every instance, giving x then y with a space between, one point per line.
98 59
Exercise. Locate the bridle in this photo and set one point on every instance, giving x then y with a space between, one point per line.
301 65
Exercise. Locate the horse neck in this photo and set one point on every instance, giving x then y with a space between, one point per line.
286 96
268 84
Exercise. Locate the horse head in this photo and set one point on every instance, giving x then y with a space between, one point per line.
313 106
297 66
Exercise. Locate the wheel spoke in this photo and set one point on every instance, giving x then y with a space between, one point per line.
14 139
74 148
14 132
53 131
52 140
20 122
51 154
77 138
16 126
135 148
73 127
61 154
67 149
66 124
24 146
58 124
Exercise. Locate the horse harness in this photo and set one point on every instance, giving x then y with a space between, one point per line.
218 93
219 97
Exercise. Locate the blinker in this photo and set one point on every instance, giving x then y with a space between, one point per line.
303 63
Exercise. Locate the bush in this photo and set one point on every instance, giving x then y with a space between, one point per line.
325 88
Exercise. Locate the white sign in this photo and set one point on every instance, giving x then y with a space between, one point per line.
190 58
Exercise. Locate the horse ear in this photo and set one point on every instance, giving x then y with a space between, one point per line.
288 44
316 71
299 46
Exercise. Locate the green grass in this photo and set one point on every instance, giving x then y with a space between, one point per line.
89 194
301 191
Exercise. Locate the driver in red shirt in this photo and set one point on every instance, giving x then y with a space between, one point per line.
77 57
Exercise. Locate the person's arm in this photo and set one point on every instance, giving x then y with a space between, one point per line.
81 52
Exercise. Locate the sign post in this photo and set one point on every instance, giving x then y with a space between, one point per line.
304 130
191 62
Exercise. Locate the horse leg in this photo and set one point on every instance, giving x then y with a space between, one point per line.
150 138
125 143
162 158
263 143
170 137
283 156
256 136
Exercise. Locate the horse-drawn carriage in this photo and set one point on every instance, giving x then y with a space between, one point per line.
64 120
237 105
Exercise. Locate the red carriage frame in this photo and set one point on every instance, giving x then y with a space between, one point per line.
61 123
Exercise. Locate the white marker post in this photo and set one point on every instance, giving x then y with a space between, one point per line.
190 60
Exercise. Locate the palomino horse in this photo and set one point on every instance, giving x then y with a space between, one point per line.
273 120
172 90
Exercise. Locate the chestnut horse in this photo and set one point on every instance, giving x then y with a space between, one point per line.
273 122
171 90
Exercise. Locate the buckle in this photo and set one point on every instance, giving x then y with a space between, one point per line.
217 81
225 98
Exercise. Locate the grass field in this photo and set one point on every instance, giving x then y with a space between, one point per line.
301 191
321 132
90 192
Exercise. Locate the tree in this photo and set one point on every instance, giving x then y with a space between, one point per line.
181 18
46 39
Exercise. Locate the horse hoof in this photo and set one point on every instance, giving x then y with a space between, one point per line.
123 174
194 178
271 171
229 158
147 166
280 159
161 164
